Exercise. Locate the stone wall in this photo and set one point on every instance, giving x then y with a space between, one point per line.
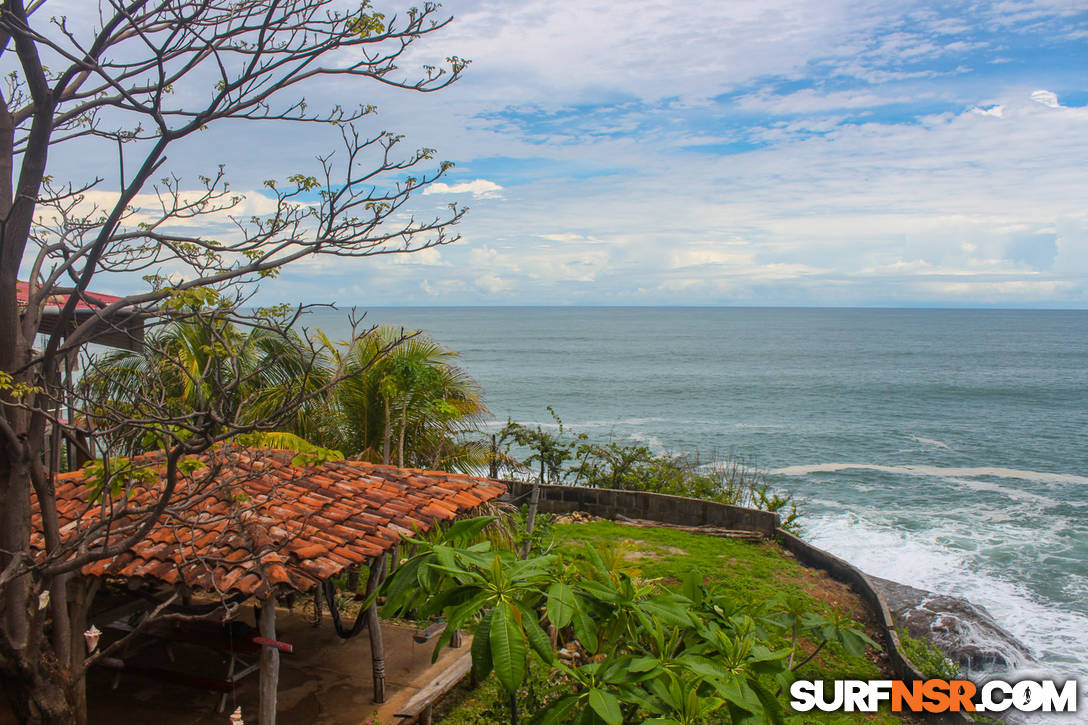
609 503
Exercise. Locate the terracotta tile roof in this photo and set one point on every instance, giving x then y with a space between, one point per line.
22 296
261 521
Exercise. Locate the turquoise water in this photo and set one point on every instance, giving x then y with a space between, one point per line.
941 448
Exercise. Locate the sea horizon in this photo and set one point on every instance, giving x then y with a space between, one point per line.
935 308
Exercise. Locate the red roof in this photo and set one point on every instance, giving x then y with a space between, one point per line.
261 521
22 297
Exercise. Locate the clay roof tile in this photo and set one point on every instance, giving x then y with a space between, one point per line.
298 524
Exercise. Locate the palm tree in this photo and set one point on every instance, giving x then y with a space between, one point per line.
189 366
396 390
414 395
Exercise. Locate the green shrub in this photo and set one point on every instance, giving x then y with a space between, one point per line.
929 660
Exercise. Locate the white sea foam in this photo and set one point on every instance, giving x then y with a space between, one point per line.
650 441
936 471
932 442
581 424
920 559
1014 494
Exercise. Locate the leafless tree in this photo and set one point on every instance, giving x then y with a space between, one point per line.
143 77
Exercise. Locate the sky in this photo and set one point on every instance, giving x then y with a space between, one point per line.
778 152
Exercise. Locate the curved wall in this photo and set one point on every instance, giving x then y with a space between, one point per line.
608 503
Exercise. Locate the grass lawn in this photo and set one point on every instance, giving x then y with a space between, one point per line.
755 572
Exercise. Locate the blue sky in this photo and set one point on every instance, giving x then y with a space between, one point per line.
778 152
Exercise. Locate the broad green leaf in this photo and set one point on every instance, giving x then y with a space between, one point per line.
596 560
538 639
601 592
691 586
461 615
561 604
467 528
669 608
507 647
772 708
401 587
557 712
445 557
606 705
481 649
585 630
642 664
450 598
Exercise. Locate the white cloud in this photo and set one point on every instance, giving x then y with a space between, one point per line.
897 173
702 256
809 100
493 284
479 188
1046 98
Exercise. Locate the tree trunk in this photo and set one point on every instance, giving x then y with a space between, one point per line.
403 431
374 625
387 435
493 462
270 664
530 523
41 697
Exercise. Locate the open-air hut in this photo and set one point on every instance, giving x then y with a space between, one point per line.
121 329
257 523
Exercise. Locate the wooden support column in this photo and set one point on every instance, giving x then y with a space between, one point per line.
317 605
377 648
394 558
270 664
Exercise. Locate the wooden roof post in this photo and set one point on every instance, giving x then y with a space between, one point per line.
270 663
377 648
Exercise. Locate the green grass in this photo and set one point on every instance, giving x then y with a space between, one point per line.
754 572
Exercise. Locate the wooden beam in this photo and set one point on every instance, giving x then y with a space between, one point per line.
419 706
377 647
270 664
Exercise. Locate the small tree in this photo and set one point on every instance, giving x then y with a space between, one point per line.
141 80
550 450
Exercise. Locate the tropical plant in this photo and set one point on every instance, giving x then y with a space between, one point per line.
215 367
395 391
635 651
404 395
476 585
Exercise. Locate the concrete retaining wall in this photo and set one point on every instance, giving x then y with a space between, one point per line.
608 503
847 573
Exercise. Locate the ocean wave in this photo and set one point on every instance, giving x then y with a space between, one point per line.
579 424
1012 493
652 442
931 442
935 471
1058 636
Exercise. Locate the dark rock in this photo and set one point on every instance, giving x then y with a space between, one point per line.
966 633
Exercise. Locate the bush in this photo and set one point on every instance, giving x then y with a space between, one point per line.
929 660
568 457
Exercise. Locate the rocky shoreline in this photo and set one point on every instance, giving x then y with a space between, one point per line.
965 632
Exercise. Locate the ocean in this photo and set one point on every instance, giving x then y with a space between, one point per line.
944 449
